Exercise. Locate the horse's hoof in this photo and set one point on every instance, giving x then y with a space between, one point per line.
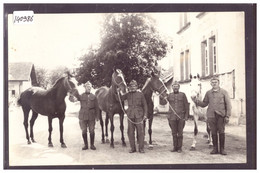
107 141
33 141
63 146
192 149
50 145
112 146
124 144
210 146
103 141
150 147
28 142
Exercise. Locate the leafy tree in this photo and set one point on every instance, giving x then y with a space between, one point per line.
41 75
46 78
57 73
130 42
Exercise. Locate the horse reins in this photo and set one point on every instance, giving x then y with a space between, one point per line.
116 82
165 88
120 101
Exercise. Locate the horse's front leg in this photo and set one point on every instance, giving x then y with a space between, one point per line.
122 128
150 132
106 127
61 120
102 127
112 131
193 146
209 135
50 130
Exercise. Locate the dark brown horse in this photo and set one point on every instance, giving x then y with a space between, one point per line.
48 103
153 84
108 102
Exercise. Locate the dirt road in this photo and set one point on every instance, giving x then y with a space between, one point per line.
22 154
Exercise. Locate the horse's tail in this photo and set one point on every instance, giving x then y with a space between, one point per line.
19 101
24 97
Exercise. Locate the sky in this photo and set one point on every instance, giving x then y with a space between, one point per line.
60 39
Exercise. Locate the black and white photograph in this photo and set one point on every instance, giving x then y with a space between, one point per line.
134 86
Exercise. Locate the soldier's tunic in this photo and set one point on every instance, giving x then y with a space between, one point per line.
219 106
137 109
179 103
89 112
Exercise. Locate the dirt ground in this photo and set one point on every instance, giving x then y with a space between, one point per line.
39 154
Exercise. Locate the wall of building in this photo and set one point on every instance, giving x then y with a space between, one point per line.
228 28
18 87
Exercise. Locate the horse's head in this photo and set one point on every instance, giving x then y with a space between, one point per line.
70 84
158 86
118 80
195 86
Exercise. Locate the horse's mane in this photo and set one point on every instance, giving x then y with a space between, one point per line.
57 82
52 91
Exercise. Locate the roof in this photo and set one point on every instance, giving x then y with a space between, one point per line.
166 75
20 71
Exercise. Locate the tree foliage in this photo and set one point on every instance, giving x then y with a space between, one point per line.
46 78
129 42
57 73
41 76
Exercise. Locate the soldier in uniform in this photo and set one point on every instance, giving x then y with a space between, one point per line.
89 112
136 113
218 113
179 113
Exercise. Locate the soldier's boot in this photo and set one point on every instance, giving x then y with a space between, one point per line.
92 138
175 143
180 139
215 144
222 143
85 139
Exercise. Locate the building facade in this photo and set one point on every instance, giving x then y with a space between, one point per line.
21 75
208 44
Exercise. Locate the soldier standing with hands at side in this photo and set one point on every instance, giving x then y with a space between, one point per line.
179 113
89 112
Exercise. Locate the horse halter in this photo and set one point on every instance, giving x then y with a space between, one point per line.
67 82
122 81
162 87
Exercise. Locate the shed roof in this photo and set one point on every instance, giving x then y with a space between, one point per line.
20 71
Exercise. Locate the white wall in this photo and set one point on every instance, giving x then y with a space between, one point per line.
228 27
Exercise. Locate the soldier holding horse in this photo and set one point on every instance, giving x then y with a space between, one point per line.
179 112
89 112
136 113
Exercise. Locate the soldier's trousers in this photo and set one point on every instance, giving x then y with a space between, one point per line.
84 124
140 132
177 127
216 124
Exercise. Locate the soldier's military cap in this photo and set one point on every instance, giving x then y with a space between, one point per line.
88 84
215 78
133 83
176 83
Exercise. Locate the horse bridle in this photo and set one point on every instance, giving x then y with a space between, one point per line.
116 82
164 89
70 88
